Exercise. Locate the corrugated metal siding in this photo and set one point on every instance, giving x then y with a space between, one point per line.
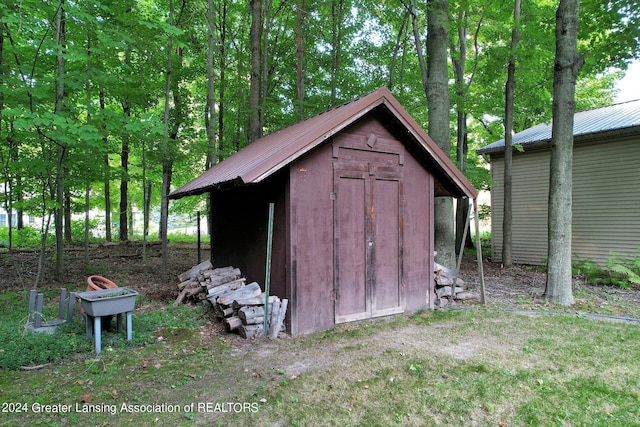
606 202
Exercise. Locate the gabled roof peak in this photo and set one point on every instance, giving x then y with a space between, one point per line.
271 153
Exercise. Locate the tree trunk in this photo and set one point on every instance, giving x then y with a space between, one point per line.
264 75
166 158
123 234
299 57
68 235
507 260
255 36
567 65
396 50
459 63
87 185
107 181
210 121
337 14
418 41
59 184
222 67
439 108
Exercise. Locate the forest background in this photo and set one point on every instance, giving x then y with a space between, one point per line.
109 105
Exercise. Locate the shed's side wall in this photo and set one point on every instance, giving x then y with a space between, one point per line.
311 242
530 198
239 231
418 236
606 202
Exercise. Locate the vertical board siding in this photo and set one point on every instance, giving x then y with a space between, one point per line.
311 185
606 202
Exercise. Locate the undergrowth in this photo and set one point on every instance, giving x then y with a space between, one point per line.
618 271
20 347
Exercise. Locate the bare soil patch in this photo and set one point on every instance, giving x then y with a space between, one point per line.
519 286
120 262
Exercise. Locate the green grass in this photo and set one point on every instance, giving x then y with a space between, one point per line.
458 368
19 347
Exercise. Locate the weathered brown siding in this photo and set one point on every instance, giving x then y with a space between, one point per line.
311 242
606 202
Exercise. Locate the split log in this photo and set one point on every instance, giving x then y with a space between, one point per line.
193 271
221 311
464 296
447 281
250 331
253 331
248 291
186 283
441 303
277 318
181 296
216 271
445 291
213 281
254 301
258 320
248 313
232 323
226 288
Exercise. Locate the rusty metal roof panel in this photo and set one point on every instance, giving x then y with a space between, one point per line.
271 153
617 117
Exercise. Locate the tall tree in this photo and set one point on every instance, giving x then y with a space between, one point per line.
566 68
60 95
300 24
210 111
255 91
463 82
439 118
508 146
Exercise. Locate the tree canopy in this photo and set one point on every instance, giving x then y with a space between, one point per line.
87 99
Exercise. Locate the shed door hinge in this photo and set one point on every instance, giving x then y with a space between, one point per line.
333 195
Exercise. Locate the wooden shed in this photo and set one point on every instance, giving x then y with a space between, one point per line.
354 190
606 187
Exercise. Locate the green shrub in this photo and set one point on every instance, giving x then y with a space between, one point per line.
27 237
618 271
19 347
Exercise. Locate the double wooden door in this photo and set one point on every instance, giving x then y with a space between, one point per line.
367 238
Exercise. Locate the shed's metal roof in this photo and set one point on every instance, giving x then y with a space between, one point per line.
613 118
271 153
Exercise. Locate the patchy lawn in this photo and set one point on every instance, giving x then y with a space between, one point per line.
464 367
460 367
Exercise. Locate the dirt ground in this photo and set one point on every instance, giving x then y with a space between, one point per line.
519 286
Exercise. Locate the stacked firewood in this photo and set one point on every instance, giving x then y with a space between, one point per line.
240 306
449 286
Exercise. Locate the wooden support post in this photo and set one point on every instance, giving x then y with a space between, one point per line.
199 242
267 278
38 319
70 306
62 304
32 304
479 251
